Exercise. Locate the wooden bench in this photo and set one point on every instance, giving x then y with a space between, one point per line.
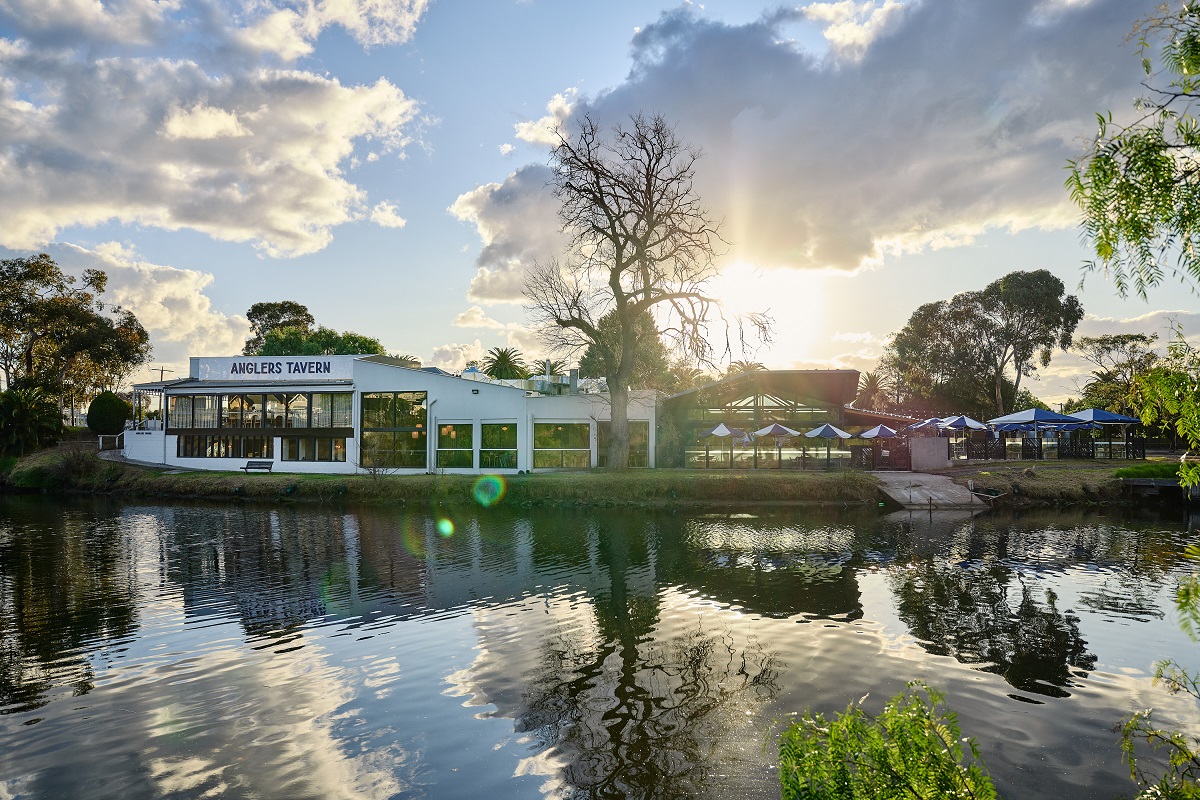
260 465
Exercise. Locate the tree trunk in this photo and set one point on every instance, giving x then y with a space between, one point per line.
1000 393
618 440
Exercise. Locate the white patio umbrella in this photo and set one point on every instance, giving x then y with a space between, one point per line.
721 429
780 432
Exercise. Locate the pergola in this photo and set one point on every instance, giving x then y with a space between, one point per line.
799 399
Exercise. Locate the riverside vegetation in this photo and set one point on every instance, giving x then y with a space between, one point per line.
75 467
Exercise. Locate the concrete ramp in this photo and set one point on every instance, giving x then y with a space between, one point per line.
915 490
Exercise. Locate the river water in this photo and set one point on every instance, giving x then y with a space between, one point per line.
188 651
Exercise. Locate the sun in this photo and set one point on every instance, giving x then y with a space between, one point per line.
794 299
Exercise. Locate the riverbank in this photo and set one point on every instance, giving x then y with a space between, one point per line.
72 471
1018 484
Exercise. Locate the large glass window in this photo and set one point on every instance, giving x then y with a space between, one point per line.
562 445
329 410
313 448
179 412
243 411
394 429
203 446
193 411
276 410
393 449
498 445
455 448
639 443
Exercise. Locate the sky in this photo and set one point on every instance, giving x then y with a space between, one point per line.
385 162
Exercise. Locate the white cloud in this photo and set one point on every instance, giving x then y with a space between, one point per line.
476 317
169 302
454 357
518 223
544 131
506 149
166 144
202 122
929 124
183 116
385 216
851 25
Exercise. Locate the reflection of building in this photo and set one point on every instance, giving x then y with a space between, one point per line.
346 414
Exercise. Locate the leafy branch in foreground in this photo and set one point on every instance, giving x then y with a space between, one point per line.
1181 752
913 749
1139 184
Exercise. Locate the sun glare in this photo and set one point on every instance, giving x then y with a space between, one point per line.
793 298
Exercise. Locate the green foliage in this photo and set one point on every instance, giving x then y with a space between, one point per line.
28 421
913 749
1150 469
1169 394
650 365
57 335
267 317
296 341
107 414
1180 778
959 354
1138 185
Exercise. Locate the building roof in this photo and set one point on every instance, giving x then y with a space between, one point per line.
835 387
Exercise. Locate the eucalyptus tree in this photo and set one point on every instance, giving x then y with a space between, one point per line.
56 333
639 241
966 348
272 316
296 341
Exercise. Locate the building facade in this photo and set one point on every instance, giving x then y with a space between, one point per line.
356 414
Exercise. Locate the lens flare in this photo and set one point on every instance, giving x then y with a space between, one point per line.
488 490
445 527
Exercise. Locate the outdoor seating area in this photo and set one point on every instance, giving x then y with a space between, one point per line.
1033 434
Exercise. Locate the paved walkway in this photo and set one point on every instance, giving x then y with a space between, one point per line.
119 457
922 490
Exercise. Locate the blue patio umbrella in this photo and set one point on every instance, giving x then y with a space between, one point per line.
1103 417
1037 418
1100 418
827 432
932 422
780 432
878 432
962 423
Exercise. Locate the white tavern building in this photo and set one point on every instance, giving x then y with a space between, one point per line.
353 414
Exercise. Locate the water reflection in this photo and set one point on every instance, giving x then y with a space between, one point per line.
66 586
366 653
987 616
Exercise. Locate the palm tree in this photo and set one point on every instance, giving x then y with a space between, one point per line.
871 388
550 368
28 420
738 367
505 363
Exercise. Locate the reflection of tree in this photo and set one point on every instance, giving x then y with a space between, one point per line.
636 714
65 585
968 614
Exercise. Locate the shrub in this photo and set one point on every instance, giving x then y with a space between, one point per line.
913 749
107 414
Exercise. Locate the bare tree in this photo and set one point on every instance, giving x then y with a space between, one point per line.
640 241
